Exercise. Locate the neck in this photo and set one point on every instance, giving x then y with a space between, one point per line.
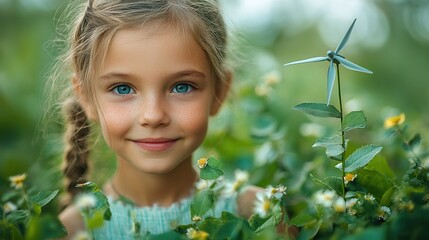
147 189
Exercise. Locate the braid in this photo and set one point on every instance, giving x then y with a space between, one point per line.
76 151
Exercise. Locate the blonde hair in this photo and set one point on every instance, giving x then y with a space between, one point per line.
95 24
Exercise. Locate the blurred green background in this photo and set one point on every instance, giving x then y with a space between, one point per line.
391 38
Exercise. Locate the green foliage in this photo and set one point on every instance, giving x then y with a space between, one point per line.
203 202
256 133
366 202
213 169
21 213
95 209
353 120
319 110
360 158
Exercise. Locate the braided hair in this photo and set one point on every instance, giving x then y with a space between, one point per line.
95 24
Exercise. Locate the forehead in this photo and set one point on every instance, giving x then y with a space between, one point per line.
154 49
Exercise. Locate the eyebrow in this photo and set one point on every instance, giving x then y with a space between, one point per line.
183 73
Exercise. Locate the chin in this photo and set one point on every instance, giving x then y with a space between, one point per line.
158 169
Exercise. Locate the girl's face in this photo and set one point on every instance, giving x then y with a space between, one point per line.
155 93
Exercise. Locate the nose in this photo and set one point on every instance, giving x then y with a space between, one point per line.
154 113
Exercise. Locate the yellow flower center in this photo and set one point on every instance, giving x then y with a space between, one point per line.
349 177
198 235
202 162
266 206
202 235
394 121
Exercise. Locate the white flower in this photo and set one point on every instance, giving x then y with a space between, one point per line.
197 218
202 162
369 197
81 236
17 181
241 178
263 205
9 207
349 177
276 192
86 201
350 204
325 197
204 184
384 212
339 205
190 232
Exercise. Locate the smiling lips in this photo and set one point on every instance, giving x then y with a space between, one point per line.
155 144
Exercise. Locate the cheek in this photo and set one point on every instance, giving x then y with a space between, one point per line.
195 119
114 122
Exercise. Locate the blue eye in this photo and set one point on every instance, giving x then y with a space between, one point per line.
123 89
182 88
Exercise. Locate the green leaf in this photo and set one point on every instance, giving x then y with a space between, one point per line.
380 164
36 209
8 196
303 219
360 158
202 202
9 231
18 216
374 182
101 199
43 198
354 120
309 231
233 227
211 225
333 183
212 170
45 227
333 145
415 141
96 220
379 232
256 221
327 141
318 110
334 150
386 200
228 226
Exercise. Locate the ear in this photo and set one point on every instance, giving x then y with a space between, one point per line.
221 91
83 99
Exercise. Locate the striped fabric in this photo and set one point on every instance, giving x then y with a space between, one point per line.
155 219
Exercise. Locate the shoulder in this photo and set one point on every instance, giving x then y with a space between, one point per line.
72 220
246 200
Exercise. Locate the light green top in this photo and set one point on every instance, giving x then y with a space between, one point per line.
155 219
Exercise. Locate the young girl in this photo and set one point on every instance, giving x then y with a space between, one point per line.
150 73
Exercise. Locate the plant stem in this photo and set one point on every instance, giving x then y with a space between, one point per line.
343 140
406 143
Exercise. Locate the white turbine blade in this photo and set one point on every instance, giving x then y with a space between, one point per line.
345 38
309 60
352 66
